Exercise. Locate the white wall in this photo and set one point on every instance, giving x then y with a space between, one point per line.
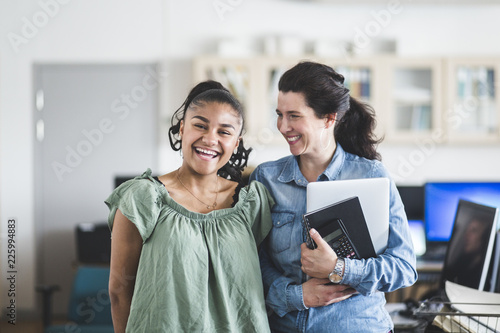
174 32
76 31
419 30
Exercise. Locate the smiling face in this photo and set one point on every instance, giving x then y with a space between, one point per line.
210 132
300 126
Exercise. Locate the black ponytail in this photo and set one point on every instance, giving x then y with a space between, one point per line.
207 92
324 91
355 130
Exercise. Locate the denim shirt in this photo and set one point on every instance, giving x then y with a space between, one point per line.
280 255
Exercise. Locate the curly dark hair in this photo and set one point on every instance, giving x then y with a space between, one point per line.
324 92
206 92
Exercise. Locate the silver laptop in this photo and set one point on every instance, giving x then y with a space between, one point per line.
373 194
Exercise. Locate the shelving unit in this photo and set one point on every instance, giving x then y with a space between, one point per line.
413 100
238 75
472 109
455 100
359 77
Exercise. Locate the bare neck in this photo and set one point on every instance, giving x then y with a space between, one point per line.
313 166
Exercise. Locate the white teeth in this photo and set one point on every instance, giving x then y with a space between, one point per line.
293 138
208 152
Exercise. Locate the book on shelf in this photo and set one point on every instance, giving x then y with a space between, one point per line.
365 83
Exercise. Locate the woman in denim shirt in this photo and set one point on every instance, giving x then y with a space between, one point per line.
330 136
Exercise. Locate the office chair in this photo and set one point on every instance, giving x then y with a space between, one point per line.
93 243
89 309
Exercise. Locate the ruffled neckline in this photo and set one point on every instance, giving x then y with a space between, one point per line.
245 194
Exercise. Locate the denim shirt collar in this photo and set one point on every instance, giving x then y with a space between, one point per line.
291 171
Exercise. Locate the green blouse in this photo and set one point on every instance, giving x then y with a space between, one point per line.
197 272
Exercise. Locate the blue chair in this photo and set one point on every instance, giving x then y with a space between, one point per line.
89 309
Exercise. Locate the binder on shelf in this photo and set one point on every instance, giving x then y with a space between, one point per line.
365 83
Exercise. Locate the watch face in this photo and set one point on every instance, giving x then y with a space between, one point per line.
334 278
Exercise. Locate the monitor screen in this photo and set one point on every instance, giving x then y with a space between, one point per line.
122 179
469 249
417 236
441 200
413 200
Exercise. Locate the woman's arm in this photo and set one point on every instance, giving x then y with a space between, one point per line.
126 246
318 264
389 271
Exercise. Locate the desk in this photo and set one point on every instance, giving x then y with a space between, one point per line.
429 272
429 266
404 324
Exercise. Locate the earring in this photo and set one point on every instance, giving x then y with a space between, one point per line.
321 140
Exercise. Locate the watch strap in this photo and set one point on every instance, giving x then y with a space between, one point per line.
338 271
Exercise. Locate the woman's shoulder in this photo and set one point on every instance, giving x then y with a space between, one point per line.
254 193
276 163
372 168
272 168
255 186
140 186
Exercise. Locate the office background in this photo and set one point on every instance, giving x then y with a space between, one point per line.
171 33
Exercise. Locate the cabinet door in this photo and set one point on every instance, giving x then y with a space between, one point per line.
472 105
361 77
413 98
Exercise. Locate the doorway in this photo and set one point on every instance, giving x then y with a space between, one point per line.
92 123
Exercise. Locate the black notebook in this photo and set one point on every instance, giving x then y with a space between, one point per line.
343 226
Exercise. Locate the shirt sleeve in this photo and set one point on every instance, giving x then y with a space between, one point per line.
139 201
283 295
370 275
260 210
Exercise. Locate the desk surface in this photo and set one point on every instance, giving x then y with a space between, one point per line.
429 266
403 323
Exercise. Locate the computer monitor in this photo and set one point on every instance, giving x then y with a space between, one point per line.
417 236
412 197
469 249
93 243
122 179
441 199
493 280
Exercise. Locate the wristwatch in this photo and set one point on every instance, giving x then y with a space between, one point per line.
338 272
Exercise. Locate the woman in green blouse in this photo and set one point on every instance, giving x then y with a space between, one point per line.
184 245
